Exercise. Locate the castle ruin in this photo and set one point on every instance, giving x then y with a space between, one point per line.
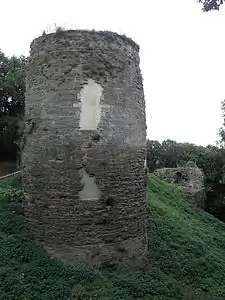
189 179
83 162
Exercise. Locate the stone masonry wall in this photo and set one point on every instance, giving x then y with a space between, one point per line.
84 147
189 180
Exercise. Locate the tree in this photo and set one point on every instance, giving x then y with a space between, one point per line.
12 85
209 5
154 160
221 133
12 102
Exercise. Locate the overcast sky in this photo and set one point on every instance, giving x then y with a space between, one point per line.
182 54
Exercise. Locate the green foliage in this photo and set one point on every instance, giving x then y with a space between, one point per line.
209 5
12 85
186 256
12 97
9 136
222 129
168 154
14 182
211 159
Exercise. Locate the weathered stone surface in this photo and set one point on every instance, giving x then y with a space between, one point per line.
84 154
189 179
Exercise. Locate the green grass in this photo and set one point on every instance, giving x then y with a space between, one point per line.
186 256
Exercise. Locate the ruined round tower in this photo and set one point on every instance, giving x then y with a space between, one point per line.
83 160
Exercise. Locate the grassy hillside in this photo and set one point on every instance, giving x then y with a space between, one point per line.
186 256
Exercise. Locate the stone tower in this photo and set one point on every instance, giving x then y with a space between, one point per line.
83 161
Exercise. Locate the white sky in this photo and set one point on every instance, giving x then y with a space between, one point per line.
182 54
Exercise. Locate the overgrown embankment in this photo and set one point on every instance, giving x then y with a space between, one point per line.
186 256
